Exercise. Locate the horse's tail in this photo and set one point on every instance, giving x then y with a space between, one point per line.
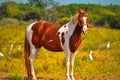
27 57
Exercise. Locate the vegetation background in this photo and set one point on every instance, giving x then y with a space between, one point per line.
104 28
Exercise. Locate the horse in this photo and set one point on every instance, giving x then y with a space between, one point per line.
55 38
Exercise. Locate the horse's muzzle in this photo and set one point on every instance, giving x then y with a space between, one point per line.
85 32
85 29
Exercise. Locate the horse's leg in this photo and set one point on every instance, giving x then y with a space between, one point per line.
72 65
68 63
32 56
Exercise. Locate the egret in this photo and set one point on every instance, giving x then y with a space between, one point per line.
1 55
108 45
90 55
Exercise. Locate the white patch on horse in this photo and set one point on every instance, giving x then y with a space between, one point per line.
29 33
63 29
50 40
85 24
68 30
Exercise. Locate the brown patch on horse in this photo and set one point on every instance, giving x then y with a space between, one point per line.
36 32
58 33
75 39
26 56
64 26
45 34
63 39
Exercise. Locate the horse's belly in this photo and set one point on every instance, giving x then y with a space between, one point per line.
51 44
52 47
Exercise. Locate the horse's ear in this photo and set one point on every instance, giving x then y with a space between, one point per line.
80 11
86 10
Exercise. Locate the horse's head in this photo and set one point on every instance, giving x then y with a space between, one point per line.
83 20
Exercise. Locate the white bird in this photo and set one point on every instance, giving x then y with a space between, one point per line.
1 55
11 47
19 48
108 45
90 55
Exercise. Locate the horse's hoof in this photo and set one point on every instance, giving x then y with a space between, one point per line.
72 78
34 78
68 79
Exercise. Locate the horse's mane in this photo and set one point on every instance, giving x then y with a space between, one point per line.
74 19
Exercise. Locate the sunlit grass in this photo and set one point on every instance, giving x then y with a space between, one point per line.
49 65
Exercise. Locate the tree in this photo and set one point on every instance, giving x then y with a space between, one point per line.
114 21
42 3
32 16
7 10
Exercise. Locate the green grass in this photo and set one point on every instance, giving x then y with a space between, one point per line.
51 66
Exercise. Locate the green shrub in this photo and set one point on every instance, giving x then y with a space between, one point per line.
114 21
32 15
63 20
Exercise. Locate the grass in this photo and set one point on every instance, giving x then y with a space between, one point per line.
51 66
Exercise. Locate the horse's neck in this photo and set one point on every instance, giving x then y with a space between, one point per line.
78 30
74 27
71 28
71 24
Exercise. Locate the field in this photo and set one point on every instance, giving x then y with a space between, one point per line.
51 66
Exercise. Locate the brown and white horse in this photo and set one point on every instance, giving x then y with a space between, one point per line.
54 38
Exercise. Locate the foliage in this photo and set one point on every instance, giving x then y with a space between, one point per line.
63 20
106 16
32 15
114 21
19 11
41 3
